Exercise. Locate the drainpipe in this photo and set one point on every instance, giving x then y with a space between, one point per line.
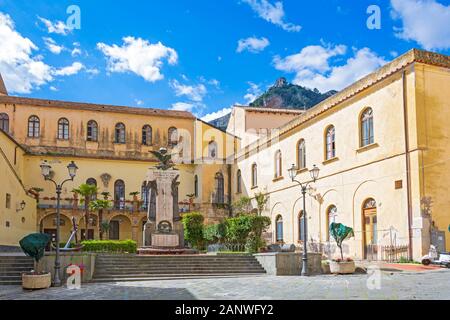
407 163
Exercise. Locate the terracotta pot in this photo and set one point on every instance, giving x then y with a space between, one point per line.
36 281
342 267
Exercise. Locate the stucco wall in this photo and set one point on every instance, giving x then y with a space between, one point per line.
21 223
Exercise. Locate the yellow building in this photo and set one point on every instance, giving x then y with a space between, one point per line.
381 144
111 146
382 147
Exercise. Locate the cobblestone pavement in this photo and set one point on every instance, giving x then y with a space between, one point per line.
393 285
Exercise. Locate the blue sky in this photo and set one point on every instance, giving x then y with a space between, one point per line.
204 56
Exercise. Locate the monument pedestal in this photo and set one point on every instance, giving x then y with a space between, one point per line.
163 232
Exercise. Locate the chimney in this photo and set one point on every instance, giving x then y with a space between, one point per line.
2 87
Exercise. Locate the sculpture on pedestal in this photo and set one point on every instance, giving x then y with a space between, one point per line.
163 230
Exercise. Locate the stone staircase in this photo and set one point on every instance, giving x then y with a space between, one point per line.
12 267
111 268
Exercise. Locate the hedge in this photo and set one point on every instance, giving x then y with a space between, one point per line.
117 246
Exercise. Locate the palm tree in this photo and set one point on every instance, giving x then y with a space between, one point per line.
100 205
86 191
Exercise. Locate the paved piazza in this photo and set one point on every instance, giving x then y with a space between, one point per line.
394 285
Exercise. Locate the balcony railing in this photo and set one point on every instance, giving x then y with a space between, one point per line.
72 204
219 198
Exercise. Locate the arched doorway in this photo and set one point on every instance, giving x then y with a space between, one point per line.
369 224
120 228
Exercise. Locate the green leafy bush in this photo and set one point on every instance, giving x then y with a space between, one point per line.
116 246
214 233
242 230
193 229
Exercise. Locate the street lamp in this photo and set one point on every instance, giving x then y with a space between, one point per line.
45 171
314 172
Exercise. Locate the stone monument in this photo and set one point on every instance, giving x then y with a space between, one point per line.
163 231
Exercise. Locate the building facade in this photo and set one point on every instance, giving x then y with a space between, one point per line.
382 147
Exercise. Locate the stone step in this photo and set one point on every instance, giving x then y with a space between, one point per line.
10 282
193 270
163 264
168 260
175 277
11 277
175 266
162 273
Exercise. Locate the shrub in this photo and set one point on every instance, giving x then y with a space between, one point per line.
214 233
193 229
122 246
239 228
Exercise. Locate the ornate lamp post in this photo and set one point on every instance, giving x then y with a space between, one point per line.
314 175
45 171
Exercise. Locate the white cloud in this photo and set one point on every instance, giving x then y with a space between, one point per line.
69 70
93 71
52 88
75 52
217 114
194 93
138 102
138 56
425 21
310 58
52 45
252 44
215 83
273 13
183 106
252 93
313 70
21 71
57 27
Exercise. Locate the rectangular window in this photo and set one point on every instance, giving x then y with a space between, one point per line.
8 201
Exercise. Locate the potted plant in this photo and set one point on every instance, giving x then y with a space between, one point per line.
340 232
135 201
34 245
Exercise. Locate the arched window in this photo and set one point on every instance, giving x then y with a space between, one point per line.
196 186
92 131
212 150
147 135
220 189
4 122
239 181
172 136
119 194
33 127
301 220
63 129
330 143
301 154
331 217
254 175
367 136
145 192
279 228
278 164
120 133
92 182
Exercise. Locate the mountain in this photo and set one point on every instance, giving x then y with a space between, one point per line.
282 95
222 122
